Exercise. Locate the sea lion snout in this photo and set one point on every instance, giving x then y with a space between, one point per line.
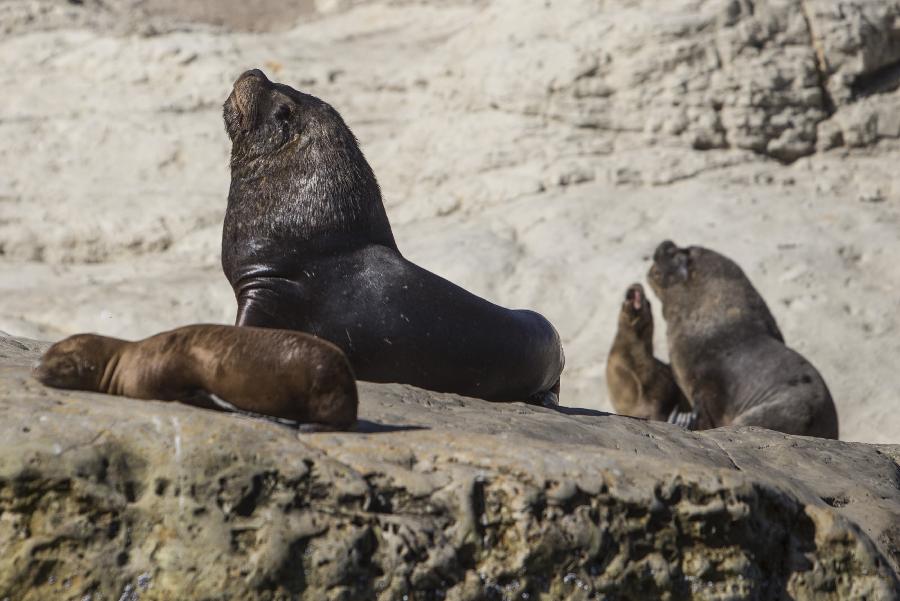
55 371
634 296
61 368
666 250
635 314
670 265
245 97
255 73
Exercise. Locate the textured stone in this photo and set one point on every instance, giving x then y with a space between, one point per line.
436 497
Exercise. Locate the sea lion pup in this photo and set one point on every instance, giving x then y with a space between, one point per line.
639 384
276 373
727 353
307 246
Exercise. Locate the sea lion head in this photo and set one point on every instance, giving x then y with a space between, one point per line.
262 116
636 314
699 286
77 362
297 172
676 271
272 120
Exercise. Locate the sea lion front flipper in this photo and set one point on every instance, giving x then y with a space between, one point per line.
302 427
685 419
223 405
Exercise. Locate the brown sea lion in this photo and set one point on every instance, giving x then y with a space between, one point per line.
639 384
307 246
276 373
727 353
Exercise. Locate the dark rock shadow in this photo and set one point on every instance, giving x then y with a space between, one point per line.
881 81
581 411
364 426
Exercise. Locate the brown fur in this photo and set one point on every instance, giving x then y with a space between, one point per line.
639 384
288 375
727 353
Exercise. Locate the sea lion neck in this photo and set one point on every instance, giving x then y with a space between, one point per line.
635 329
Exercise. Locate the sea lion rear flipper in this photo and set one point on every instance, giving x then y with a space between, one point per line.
547 398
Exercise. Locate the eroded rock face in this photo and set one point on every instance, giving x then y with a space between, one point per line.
437 497
755 75
533 153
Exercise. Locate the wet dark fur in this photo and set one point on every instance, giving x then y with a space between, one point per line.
639 384
307 246
727 353
269 373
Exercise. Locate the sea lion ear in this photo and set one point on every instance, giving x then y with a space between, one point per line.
282 112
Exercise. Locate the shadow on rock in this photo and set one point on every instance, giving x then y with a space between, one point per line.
365 426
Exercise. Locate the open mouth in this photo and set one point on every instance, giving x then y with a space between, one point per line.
635 296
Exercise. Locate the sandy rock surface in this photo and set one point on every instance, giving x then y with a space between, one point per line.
535 154
436 497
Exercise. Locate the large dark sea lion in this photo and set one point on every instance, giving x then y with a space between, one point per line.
307 246
639 384
272 373
727 353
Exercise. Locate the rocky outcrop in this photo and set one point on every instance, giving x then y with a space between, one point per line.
435 497
747 74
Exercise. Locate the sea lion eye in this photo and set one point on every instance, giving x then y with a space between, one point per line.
283 112
66 366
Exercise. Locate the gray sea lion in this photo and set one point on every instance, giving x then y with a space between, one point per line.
639 384
275 373
727 353
307 246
